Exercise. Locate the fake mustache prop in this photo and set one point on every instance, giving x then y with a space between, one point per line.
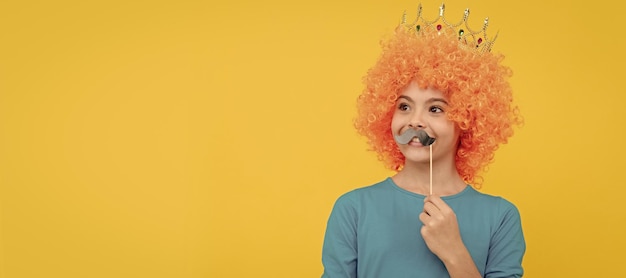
426 140
408 135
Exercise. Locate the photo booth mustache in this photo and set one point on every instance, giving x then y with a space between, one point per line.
408 135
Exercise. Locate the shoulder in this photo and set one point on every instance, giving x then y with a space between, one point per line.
473 201
491 200
499 207
356 196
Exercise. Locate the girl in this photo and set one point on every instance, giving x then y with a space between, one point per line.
442 79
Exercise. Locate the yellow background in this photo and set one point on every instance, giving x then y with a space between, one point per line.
211 138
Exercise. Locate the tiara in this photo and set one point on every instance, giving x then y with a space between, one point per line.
476 39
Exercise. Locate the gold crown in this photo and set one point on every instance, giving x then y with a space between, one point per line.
477 40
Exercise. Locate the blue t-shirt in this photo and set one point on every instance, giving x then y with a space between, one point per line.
375 232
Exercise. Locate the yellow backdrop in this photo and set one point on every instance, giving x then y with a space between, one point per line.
211 138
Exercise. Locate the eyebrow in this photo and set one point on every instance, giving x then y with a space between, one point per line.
428 101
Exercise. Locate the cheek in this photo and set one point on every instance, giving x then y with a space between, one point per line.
446 128
398 124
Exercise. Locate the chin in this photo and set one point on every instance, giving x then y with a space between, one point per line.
414 158
417 161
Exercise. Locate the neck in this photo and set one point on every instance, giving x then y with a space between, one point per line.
415 177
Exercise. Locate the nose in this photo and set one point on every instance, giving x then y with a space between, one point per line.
417 121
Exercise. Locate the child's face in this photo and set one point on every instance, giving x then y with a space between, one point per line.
425 109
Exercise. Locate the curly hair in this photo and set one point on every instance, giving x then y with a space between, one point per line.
475 84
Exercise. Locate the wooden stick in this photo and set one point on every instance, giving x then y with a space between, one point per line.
431 169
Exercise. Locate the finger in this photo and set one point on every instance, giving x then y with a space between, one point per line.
425 218
439 203
431 209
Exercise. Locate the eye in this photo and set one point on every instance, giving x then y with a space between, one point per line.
403 107
435 109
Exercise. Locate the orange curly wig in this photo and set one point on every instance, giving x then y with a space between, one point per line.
475 84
